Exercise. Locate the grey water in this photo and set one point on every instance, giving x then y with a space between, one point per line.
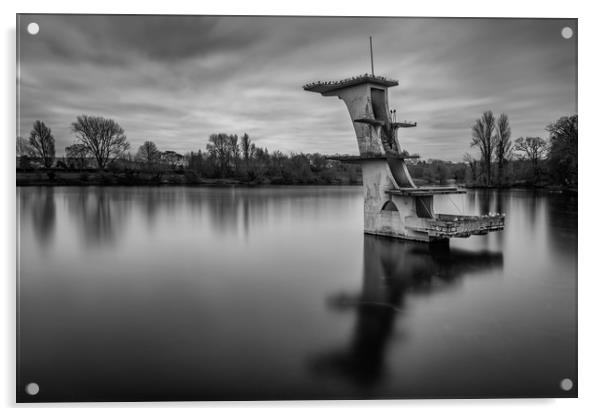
188 293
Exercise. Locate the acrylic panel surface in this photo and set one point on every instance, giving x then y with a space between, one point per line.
141 280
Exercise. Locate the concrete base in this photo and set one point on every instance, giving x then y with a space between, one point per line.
411 217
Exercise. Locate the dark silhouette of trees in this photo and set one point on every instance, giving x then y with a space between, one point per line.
234 152
24 153
503 146
23 147
195 161
438 172
223 148
483 138
103 137
473 166
563 150
148 153
238 159
77 155
245 144
533 149
41 142
226 157
218 151
442 172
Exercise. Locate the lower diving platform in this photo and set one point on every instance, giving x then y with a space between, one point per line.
456 226
409 213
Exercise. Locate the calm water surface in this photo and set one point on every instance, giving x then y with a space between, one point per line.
179 293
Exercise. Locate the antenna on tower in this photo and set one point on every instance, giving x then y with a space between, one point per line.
371 57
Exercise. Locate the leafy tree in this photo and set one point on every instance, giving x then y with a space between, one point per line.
41 142
148 153
534 150
103 137
503 145
563 150
483 138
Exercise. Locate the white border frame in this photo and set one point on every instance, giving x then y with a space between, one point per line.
590 285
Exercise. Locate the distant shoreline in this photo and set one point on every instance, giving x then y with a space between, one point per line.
185 178
131 178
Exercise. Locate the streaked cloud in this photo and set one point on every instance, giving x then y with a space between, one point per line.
177 79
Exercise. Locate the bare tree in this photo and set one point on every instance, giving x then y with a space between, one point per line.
218 148
473 166
534 149
148 153
503 145
483 138
234 151
42 143
223 148
563 154
24 152
245 144
103 137
23 147
77 155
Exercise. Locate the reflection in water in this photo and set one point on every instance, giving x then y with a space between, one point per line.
562 223
43 214
149 294
532 205
224 212
38 207
100 213
486 199
393 270
500 203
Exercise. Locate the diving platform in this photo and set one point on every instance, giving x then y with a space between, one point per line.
325 87
393 205
403 124
455 226
425 191
358 159
381 123
370 121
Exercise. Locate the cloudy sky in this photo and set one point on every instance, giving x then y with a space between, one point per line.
177 79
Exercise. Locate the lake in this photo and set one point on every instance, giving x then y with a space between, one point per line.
190 293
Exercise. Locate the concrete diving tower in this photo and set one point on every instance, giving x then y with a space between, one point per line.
393 205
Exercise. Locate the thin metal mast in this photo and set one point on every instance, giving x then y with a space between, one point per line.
371 57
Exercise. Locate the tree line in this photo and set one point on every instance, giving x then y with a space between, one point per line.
98 138
101 143
528 160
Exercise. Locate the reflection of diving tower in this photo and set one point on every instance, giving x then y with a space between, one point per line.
394 271
393 205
